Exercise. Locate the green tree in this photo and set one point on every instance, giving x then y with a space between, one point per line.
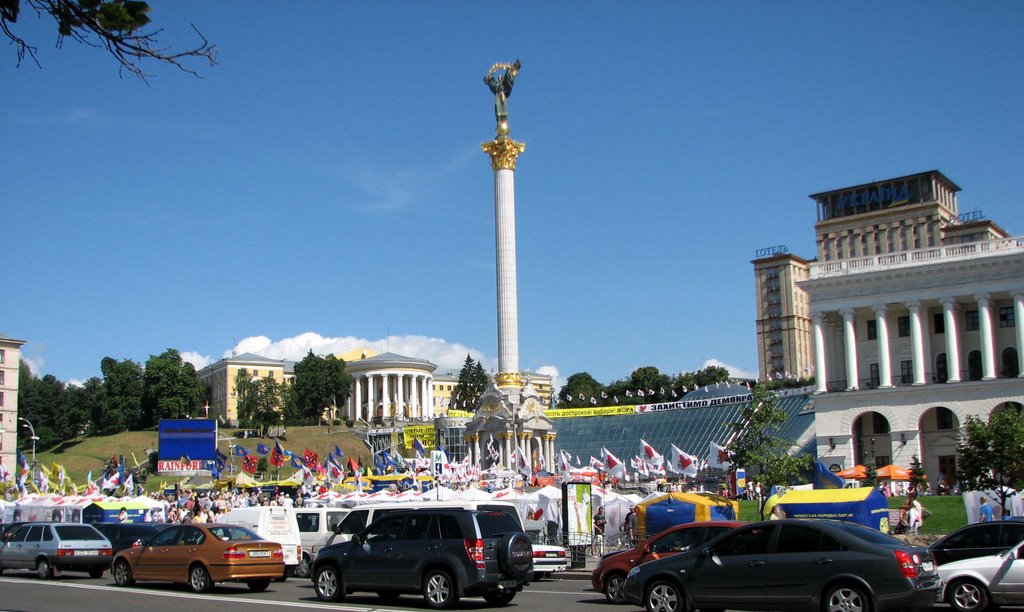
119 26
40 402
472 383
992 453
320 382
120 403
649 379
259 402
870 474
578 390
917 476
757 447
171 389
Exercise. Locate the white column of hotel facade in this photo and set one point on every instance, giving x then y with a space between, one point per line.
850 340
884 363
952 340
1018 321
988 360
820 370
357 396
916 342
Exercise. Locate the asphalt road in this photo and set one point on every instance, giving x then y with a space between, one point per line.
23 591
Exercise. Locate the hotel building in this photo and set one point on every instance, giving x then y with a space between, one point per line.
916 313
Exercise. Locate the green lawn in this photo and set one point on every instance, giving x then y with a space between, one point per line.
947 515
92 453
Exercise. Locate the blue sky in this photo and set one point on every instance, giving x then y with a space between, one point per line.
323 186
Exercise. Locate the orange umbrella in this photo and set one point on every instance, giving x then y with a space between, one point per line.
858 471
893 472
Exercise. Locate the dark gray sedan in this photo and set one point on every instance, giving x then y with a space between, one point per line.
790 564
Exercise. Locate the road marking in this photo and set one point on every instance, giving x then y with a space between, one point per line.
227 598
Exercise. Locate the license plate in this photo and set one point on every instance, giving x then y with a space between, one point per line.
927 566
509 584
551 554
86 553
259 553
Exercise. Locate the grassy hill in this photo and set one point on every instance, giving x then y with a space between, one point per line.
92 453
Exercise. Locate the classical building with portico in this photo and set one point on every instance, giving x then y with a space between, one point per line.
916 316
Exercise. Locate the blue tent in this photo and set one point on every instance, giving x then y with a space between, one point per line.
657 514
864 506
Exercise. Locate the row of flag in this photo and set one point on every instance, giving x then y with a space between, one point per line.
660 392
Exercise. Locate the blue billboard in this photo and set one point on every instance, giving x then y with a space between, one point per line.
192 438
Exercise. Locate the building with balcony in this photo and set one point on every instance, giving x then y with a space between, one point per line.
916 322
10 364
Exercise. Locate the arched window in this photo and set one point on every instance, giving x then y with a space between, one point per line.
941 370
974 365
1010 364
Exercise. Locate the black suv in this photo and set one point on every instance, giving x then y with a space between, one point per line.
442 554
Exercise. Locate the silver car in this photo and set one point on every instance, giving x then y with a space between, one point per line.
976 584
50 547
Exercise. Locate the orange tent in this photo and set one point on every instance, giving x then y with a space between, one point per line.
858 471
893 472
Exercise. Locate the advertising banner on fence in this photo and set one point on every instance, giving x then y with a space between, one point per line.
698 403
568 413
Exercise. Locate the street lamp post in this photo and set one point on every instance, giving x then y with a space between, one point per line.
32 431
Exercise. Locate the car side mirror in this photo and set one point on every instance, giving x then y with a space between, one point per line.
336 528
705 552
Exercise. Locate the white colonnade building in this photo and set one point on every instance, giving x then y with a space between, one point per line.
389 387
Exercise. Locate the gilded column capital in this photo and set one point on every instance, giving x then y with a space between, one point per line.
504 380
503 151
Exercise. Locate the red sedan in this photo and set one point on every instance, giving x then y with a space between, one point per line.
611 571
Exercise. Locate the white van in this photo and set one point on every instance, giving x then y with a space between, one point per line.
275 524
316 526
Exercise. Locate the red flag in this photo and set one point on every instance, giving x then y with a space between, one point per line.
310 458
249 464
353 465
277 455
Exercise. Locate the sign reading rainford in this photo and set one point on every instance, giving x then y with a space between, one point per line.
194 465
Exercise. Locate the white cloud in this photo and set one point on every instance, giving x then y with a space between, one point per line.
734 371
446 355
74 382
35 364
198 361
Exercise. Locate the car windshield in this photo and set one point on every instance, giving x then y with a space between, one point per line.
233 532
77 532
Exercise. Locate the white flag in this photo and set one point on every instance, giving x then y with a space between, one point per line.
719 457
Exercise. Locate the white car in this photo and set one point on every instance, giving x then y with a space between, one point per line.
974 585
548 559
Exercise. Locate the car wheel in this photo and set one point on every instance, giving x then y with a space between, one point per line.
613 588
664 596
439 590
96 572
500 598
123 573
846 598
327 584
967 596
44 569
302 569
258 586
199 579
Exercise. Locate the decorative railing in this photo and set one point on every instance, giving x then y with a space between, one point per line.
953 252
